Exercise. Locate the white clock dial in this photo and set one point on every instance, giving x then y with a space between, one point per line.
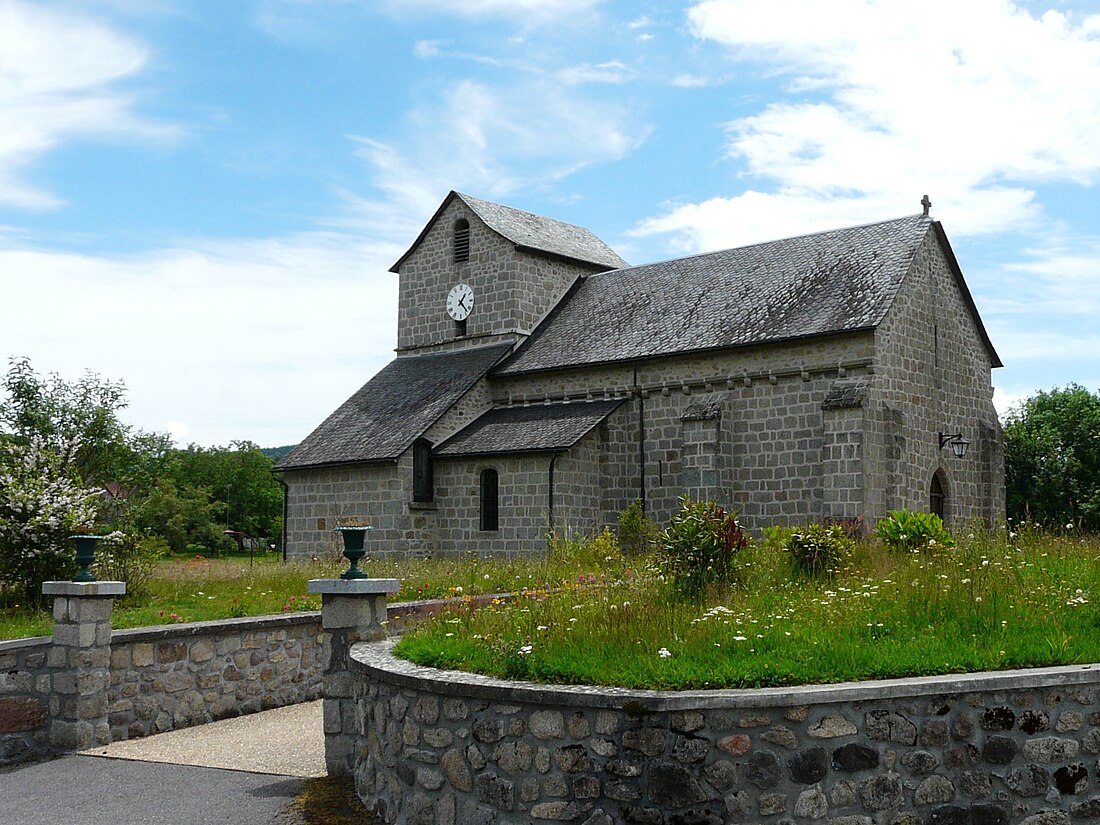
460 301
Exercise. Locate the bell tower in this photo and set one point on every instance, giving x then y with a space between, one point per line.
482 273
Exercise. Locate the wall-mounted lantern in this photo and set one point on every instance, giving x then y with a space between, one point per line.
959 445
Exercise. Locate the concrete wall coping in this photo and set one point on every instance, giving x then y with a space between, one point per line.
354 587
9 645
376 660
184 629
84 589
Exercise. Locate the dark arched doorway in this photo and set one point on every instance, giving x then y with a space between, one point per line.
938 495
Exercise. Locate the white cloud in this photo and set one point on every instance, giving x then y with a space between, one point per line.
257 339
613 71
425 49
476 138
528 11
691 81
58 79
966 102
1060 277
1004 401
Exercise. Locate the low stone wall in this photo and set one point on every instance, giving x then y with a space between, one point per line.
26 681
175 676
164 677
979 749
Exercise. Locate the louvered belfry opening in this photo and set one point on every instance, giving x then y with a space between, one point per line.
462 240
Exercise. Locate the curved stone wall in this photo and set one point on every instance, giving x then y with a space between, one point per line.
976 749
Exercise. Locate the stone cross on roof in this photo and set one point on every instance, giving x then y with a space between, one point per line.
926 203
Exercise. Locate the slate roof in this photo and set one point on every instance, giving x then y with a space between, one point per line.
531 232
394 408
542 427
837 281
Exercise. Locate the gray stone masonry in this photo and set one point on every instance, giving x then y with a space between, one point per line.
26 680
82 653
73 691
352 610
178 675
1004 748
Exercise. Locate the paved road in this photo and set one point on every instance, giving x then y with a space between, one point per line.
95 790
242 771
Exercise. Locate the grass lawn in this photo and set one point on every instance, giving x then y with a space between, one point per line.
200 589
589 615
997 601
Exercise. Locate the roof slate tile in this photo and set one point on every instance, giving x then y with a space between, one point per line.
540 427
394 408
836 281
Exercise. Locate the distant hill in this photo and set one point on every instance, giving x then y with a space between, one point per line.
275 453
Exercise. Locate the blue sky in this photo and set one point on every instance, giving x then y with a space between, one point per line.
202 199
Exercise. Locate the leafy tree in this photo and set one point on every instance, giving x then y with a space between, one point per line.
41 505
1052 458
76 421
238 485
67 464
185 518
67 459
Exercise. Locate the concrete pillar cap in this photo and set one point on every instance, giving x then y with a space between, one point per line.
84 589
354 587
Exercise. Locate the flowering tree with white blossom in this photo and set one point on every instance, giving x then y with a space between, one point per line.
40 507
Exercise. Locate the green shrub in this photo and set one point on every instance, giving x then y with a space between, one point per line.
637 534
586 552
128 557
698 548
818 549
914 532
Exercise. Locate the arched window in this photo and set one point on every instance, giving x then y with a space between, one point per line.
462 240
938 495
489 500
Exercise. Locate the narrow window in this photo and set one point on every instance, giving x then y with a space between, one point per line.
460 328
422 471
462 240
938 495
488 500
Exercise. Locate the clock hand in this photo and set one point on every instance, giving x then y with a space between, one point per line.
462 302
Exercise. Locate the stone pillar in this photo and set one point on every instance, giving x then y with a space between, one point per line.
81 652
352 610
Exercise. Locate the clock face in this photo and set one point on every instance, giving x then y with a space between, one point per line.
460 301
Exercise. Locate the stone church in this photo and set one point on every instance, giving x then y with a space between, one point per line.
541 384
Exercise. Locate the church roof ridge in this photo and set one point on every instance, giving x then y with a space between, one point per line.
784 239
532 232
838 280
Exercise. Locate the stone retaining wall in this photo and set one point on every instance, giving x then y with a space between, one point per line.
979 749
26 681
175 676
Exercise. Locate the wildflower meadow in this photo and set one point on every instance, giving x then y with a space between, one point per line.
984 600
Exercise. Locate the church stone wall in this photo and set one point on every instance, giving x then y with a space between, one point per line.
933 375
512 289
768 444
524 499
317 498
